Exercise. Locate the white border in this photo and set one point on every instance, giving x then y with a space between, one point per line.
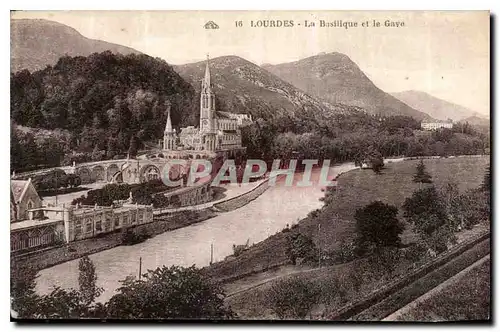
492 5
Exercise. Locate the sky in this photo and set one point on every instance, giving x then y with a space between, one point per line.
445 54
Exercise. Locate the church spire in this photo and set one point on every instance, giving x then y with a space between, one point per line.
168 127
206 80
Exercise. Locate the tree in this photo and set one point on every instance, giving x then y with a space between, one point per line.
30 150
112 148
97 154
377 164
426 210
61 303
169 292
87 279
301 246
486 185
421 175
133 146
377 224
293 298
22 291
440 239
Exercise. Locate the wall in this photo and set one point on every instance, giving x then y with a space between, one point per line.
358 306
243 199
93 223
192 195
23 240
45 258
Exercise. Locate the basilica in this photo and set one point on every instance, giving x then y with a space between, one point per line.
218 132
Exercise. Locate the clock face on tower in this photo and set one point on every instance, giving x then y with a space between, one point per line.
205 123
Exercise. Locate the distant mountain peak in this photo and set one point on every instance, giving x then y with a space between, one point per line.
336 79
437 108
37 43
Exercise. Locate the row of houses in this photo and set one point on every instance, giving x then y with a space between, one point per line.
34 226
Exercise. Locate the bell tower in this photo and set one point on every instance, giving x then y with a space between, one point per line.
169 136
207 102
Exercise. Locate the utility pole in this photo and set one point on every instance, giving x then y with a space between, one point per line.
211 253
140 267
57 177
319 246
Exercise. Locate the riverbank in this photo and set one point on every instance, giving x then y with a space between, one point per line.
355 188
49 257
262 217
164 221
263 256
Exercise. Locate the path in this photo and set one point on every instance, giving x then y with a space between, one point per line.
435 291
254 281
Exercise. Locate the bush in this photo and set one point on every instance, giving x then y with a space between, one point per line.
377 225
300 246
469 209
426 210
385 261
441 239
56 179
293 298
332 291
104 196
415 252
131 237
169 292
345 253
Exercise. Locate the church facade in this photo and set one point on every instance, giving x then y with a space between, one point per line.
217 131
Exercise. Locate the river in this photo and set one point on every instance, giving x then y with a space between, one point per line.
278 206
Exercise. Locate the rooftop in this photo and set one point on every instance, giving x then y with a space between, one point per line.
32 223
18 187
437 121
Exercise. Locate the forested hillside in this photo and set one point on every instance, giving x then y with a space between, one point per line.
103 100
105 105
355 136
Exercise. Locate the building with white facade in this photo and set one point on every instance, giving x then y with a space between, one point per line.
434 125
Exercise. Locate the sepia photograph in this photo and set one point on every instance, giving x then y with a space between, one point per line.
273 166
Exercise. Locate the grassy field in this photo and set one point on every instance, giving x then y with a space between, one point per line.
466 299
360 187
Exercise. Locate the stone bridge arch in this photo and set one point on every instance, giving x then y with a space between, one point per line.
98 173
176 171
150 172
111 172
84 174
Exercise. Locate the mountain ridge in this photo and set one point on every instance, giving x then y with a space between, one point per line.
244 87
335 78
37 43
436 107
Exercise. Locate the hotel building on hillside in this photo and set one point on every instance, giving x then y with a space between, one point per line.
436 124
